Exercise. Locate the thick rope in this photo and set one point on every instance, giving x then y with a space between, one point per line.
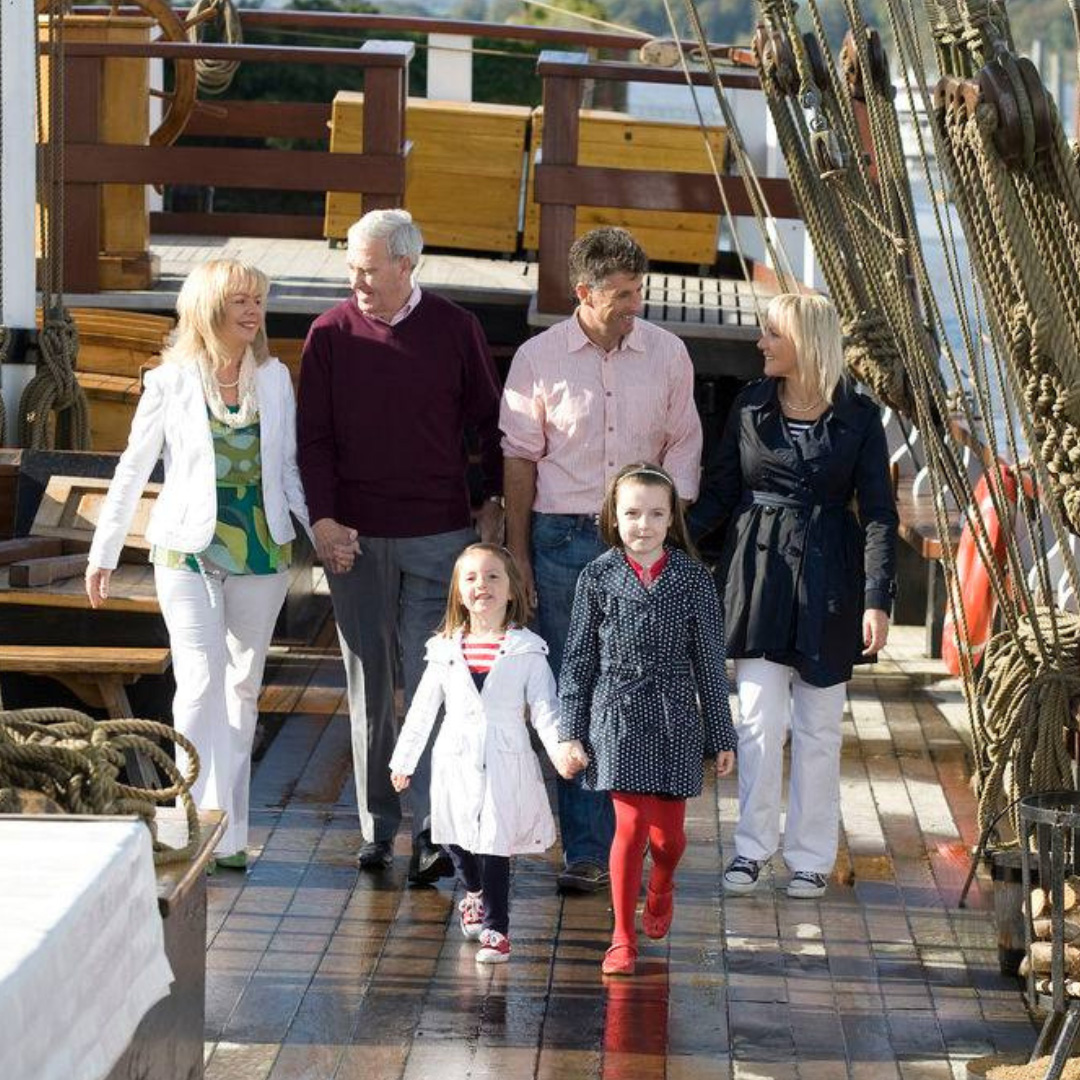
215 76
53 410
76 761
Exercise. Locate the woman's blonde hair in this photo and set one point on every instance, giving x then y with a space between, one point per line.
201 307
642 472
517 604
813 325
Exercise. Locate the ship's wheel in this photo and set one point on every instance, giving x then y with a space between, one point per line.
180 100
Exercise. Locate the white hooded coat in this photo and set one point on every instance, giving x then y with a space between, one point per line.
487 792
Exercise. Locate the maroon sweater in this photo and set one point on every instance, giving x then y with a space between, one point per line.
382 416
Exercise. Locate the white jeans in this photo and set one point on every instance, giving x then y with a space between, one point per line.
218 653
772 699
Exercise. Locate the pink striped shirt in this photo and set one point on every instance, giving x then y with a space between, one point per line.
581 413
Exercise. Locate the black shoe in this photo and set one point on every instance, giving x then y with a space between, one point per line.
376 855
429 862
583 877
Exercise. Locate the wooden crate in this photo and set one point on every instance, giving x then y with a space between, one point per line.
464 173
614 140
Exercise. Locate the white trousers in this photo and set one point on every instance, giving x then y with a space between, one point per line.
218 654
773 699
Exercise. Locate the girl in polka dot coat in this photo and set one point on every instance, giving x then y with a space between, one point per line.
643 691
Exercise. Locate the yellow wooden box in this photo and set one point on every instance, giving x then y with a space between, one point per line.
464 175
614 140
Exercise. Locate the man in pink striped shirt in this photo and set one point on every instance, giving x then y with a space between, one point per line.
587 396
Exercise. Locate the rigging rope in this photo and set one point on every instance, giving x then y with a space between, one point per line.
1022 219
76 761
54 390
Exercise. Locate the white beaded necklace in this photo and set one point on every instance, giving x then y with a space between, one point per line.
248 411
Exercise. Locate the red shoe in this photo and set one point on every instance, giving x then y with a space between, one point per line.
494 948
659 908
619 960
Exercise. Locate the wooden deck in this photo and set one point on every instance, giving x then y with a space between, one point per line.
318 972
309 276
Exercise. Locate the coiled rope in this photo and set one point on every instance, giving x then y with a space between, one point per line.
215 76
75 761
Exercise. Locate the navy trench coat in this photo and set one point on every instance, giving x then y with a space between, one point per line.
642 682
810 530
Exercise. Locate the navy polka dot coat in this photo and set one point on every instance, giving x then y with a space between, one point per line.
643 683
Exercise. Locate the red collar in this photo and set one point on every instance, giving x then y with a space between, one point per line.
648 574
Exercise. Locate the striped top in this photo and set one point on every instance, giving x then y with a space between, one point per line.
480 655
798 428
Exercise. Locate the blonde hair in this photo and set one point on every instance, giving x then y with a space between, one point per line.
813 325
201 308
642 472
517 604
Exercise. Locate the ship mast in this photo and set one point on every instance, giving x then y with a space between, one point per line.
18 180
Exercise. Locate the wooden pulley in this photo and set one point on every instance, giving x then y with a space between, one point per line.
879 66
819 69
1024 127
775 59
952 93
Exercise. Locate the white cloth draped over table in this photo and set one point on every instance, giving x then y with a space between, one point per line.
82 949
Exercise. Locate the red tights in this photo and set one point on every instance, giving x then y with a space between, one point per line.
639 818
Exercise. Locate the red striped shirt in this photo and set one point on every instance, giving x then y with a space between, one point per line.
480 655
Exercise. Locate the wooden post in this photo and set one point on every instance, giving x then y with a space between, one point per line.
562 99
82 202
386 92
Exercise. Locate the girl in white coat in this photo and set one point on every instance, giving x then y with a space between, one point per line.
221 412
488 800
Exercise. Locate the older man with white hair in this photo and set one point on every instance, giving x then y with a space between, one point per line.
391 380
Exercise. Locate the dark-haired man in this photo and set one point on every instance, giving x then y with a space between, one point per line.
585 397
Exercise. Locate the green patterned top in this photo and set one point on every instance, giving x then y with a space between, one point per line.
242 543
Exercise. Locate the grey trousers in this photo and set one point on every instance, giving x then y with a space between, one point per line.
386 608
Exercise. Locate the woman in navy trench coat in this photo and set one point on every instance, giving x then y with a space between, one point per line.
800 485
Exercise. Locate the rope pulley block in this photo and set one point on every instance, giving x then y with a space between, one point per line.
1024 125
775 59
819 69
879 66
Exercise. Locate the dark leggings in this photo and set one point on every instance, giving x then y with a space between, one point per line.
489 874
639 818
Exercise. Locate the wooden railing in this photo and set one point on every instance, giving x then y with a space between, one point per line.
378 174
562 184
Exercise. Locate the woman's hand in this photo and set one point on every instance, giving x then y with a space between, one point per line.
399 780
97 585
725 763
875 631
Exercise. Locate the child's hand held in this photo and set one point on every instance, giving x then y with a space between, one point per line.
725 763
399 780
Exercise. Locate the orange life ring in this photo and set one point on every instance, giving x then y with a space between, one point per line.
972 586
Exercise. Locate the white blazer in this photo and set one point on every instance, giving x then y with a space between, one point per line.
171 420
487 791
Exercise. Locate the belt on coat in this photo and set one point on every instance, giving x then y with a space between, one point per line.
791 502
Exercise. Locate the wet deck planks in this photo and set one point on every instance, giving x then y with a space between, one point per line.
316 973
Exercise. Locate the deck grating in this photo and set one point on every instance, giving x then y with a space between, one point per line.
315 972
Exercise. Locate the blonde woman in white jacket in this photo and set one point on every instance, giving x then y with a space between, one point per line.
488 800
221 412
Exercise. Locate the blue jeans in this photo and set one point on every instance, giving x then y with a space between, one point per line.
562 545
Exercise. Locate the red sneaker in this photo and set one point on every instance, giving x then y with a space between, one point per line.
494 948
471 917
